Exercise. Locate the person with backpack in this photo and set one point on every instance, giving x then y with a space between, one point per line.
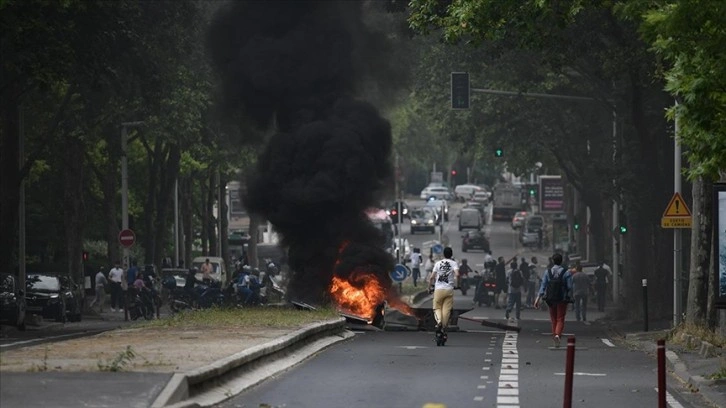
556 291
514 296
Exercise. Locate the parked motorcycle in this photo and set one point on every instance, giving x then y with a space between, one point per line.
141 304
201 296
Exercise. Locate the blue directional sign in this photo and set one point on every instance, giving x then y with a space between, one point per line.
399 273
437 249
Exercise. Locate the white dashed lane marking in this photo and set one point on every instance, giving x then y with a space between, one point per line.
608 342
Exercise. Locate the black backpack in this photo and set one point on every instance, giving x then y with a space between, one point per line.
515 278
554 292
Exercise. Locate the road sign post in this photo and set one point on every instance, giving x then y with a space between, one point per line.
399 274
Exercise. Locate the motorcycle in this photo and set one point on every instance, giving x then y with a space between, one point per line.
485 290
141 305
464 285
202 296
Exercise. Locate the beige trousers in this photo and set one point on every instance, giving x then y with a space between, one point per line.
443 303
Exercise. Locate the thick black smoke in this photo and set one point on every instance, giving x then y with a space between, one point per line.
296 66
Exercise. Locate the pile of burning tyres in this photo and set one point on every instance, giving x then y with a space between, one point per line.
363 295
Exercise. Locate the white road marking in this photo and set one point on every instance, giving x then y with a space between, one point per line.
608 342
585 374
481 387
508 391
507 400
478 398
484 377
671 400
412 347
485 368
508 387
487 360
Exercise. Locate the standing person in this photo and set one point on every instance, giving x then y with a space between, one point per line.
101 283
416 260
131 273
116 275
515 281
500 280
601 284
444 274
580 290
524 269
555 291
206 270
532 282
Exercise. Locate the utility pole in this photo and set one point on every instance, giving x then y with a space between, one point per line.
125 184
176 223
397 172
21 204
677 243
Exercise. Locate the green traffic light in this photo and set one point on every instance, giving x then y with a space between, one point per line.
577 227
623 229
499 152
531 192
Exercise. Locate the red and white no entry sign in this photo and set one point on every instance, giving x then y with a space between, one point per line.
126 238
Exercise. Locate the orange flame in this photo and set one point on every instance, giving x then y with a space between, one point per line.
362 293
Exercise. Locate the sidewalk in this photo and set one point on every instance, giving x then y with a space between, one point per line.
690 364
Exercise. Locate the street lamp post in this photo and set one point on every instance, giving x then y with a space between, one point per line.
125 184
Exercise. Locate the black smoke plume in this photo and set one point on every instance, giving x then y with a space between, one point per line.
297 66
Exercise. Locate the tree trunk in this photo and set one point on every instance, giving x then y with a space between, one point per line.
223 211
187 204
204 216
210 219
110 199
154 160
254 239
9 175
700 268
73 205
169 170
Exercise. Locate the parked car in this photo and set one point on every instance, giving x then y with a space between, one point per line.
393 211
441 207
423 219
518 219
12 302
219 269
437 193
474 240
47 297
470 218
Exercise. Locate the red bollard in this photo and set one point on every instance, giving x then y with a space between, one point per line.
569 370
661 375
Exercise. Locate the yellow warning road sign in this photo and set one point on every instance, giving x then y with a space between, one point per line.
677 214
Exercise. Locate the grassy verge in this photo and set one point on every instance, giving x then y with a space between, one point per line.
698 331
259 317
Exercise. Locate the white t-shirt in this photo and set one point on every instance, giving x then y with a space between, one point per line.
116 275
416 260
445 272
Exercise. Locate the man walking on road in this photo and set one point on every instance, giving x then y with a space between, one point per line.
555 291
416 260
500 279
444 274
514 297
581 288
100 288
602 273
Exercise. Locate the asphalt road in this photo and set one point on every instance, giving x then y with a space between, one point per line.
477 367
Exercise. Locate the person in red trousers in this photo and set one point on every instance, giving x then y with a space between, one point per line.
556 291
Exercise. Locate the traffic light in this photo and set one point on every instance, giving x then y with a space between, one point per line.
460 90
499 152
85 256
532 191
576 224
453 172
622 222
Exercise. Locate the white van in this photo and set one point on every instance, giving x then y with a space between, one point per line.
465 192
470 218
219 269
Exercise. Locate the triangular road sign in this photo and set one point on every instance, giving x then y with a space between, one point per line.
677 208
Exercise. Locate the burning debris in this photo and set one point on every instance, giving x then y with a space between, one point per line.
297 66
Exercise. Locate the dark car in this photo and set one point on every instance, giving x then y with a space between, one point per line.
12 302
423 219
474 240
397 206
54 296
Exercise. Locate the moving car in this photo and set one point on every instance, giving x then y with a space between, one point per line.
477 206
12 302
474 240
423 219
394 208
437 193
441 207
529 233
470 218
481 196
518 219
465 192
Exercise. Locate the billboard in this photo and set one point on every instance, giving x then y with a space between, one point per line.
551 195
719 221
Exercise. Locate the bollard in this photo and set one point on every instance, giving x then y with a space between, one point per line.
569 370
661 375
645 304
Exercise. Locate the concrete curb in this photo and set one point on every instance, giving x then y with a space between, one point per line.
182 386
